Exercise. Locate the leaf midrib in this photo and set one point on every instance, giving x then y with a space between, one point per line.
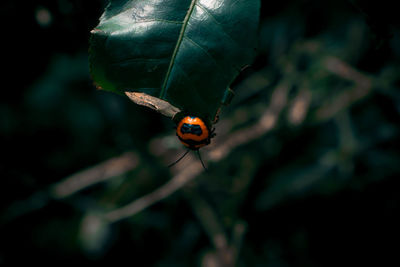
176 49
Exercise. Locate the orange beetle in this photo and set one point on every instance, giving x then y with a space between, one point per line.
193 132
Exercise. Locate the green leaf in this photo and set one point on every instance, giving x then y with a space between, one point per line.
186 52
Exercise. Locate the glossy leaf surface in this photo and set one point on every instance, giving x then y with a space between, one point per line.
186 52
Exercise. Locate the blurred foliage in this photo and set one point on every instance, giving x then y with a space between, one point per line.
317 190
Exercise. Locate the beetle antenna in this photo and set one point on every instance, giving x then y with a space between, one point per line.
175 162
202 163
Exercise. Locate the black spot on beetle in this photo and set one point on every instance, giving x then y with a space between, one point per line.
191 129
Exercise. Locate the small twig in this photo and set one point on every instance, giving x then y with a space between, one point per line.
152 102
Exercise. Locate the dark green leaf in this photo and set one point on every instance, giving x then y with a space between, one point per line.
186 52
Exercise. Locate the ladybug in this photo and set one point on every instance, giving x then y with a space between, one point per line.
193 132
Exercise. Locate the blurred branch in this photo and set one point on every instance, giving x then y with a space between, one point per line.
299 107
188 173
239 230
265 124
226 252
363 86
99 173
96 174
224 255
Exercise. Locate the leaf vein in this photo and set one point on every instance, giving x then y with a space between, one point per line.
216 22
177 46
203 49
159 20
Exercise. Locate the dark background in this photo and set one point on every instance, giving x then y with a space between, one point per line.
321 192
